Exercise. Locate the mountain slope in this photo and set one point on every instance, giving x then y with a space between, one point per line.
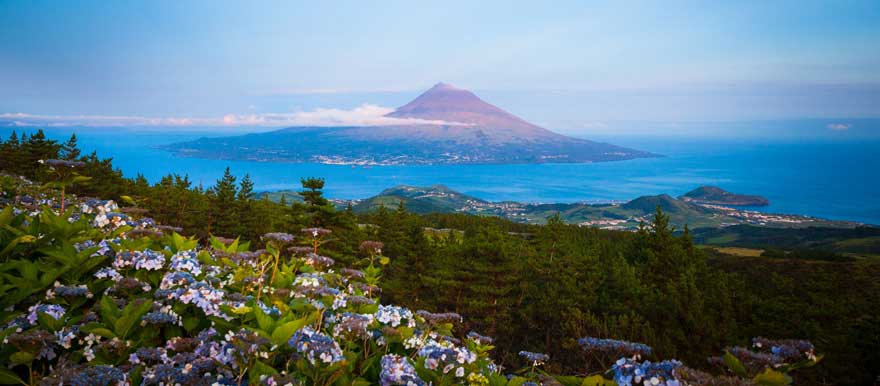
443 125
716 196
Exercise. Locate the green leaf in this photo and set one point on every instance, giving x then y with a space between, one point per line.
772 378
7 377
191 322
360 382
264 321
109 311
21 358
516 381
735 365
283 332
101 331
131 315
259 368
49 322
384 260
6 215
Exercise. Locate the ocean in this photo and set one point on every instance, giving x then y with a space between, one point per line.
834 179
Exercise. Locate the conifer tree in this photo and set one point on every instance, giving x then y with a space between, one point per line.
311 193
10 153
246 188
223 202
69 151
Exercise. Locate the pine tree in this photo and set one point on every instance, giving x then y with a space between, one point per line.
223 208
246 188
319 208
37 147
311 192
10 154
69 151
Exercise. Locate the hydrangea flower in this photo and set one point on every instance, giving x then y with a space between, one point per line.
65 291
445 354
147 260
480 339
108 273
614 346
53 310
394 316
279 237
159 317
354 325
397 370
186 261
316 346
535 358
628 372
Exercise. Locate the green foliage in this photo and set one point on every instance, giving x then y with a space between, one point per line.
532 287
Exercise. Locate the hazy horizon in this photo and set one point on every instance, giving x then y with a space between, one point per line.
573 68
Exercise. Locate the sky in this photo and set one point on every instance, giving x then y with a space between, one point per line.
571 66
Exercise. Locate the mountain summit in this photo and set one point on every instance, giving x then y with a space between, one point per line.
443 125
445 102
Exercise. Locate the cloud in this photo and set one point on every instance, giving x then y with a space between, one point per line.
839 126
364 115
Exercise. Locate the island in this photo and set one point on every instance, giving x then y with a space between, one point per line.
713 195
444 125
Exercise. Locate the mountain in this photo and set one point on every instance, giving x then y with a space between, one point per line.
713 195
648 204
478 120
422 200
443 125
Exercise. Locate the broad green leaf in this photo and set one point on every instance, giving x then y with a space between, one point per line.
516 381
259 368
101 331
21 358
130 316
7 377
772 378
734 364
49 322
191 322
264 321
283 332
6 215
360 382
109 311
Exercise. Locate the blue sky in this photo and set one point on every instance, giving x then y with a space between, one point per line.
567 65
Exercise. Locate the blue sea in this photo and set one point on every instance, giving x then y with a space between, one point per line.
835 179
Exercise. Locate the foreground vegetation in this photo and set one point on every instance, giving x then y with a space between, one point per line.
532 288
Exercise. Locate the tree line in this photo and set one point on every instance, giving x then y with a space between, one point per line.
532 287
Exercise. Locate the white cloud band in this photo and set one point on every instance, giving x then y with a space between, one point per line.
364 115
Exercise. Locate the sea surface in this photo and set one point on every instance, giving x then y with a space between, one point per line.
835 179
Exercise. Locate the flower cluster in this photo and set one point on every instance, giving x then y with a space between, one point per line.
316 346
787 349
53 310
147 260
613 346
631 372
446 356
68 291
397 370
535 358
395 316
278 237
